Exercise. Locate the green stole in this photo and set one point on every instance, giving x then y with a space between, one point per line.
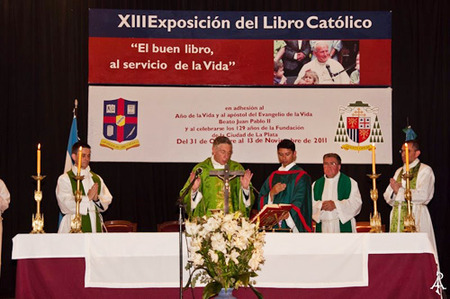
344 188
86 226
414 172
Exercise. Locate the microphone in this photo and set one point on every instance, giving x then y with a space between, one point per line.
329 71
198 172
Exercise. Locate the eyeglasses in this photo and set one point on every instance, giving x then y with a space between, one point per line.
222 152
330 163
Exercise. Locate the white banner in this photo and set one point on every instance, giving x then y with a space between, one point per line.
178 124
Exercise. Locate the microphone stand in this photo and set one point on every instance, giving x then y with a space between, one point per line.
180 242
254 189
344 70
180 230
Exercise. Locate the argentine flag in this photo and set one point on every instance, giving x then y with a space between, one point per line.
73 138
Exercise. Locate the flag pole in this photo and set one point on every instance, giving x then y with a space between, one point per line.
73 138
75 108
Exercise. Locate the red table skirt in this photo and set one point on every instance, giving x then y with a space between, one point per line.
390 276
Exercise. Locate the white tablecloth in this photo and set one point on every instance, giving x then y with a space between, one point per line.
135 260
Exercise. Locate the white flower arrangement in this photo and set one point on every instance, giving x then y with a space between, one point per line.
226 250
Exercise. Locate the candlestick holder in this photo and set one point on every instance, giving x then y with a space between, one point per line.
408 221
375 220
75 224
37 220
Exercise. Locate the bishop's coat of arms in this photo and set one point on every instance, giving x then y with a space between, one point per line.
358 127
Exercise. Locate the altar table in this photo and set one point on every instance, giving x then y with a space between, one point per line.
146 265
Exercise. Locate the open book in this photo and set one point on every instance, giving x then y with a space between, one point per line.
272 214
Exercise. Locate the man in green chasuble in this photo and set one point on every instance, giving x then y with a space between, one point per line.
96 196
290 184
336 199
207 192
422 191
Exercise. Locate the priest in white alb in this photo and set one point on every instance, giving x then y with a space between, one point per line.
336 198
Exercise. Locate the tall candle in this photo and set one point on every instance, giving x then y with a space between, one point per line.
374 181
79 160
373 159
39 160
407 156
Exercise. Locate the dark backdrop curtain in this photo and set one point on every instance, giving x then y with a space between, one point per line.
44 67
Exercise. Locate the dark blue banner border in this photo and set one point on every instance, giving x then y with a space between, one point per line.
240 25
